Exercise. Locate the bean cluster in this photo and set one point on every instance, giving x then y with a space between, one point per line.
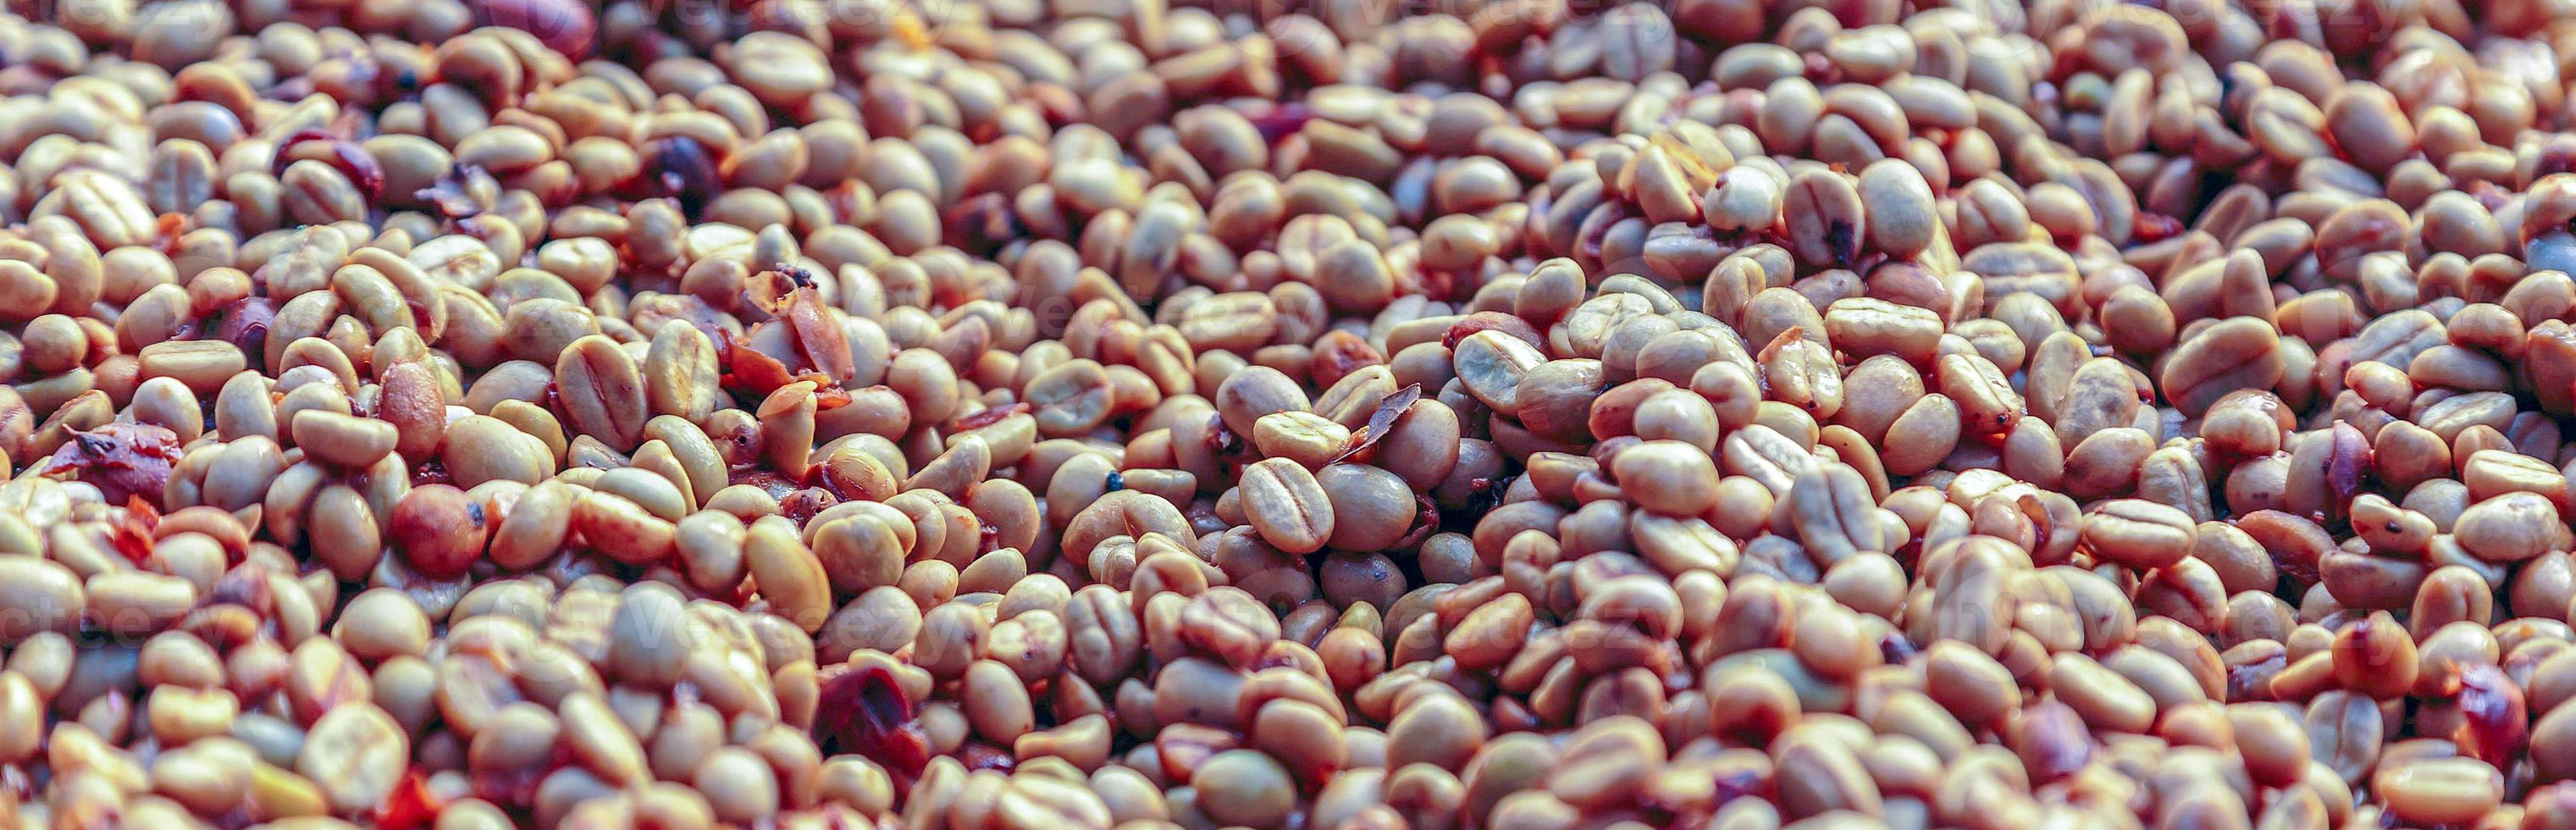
1062 414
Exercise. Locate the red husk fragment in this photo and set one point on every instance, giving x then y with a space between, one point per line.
133 536
749 370
827 396
244 323
866 711
2154 227
825 346
124 460
1389 410
166 230
2494 720
1426 521
410 805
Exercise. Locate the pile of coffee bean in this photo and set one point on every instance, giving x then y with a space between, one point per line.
1054 414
